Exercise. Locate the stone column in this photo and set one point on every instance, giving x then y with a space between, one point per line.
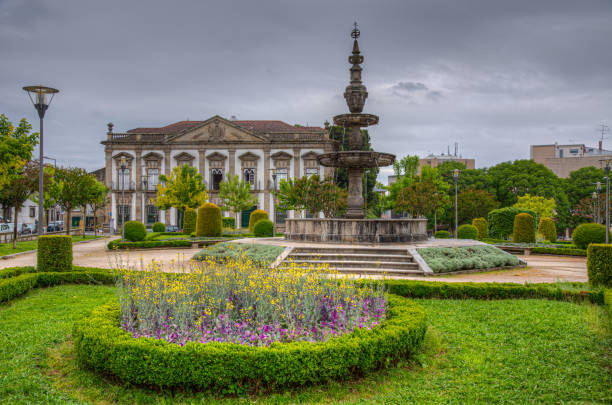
202 163
355 194
108 180
138 190
167 170
296 163
267 194
232 162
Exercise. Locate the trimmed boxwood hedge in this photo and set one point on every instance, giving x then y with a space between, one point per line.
54 253
255 217
501 221
599 264
524 228
101 344
263 228
608 302
548 229
559 251
586 234
229 222
482 227
158 227
134 231
148 244
467 231
189 221
442 234
209 221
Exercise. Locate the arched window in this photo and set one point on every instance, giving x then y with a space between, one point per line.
249 176
217 178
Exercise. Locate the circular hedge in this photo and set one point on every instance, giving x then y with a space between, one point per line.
101 344
158 227
586 234
263 228
134 231
467 232
255 217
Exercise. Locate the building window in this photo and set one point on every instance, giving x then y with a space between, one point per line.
311 171
249 176
123 214
32 212
152 178
217 178
280 216
152 214
123 179
281 174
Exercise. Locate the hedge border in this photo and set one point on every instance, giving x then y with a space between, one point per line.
102 345
148 244
558 251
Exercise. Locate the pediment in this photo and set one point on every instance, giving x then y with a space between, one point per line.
216 156
216 130
310 156
248 156
152 156
184 157
127 156
281 156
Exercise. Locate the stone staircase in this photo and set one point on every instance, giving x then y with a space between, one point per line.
359 260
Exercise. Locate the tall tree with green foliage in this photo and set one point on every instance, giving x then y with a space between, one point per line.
420 198
474 203
544 207
16 146
581 183
97 197
184 188
236 195
313 194
71 188
406 166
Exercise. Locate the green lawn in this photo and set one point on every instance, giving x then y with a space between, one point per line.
7 248
511 351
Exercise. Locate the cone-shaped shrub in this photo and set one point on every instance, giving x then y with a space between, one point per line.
482 226
524 229
256 216
586 234
209 222
158 227
134 231
189 221
263 228
467 231
548 229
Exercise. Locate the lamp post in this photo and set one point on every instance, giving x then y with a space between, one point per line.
41 105
607 170
274 203
598 191
456 177
145 184
595 206
122 165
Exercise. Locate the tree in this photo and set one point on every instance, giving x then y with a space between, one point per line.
406 166
71 188
184 188
313 194
474 203
18 189
544 207
236 195
419 199
97 199
581 183
16 146
291 194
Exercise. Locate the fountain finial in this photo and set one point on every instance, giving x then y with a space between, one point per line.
356 92
355 33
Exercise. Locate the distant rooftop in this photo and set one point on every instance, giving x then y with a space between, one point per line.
259 126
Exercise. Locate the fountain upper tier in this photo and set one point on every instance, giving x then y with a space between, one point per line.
356 159
355 120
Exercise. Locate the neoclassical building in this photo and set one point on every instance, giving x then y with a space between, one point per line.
219 148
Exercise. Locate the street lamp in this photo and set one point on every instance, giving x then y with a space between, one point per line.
598 190
40 104
607 170
122 165
456 177
595 207
274 203
145 184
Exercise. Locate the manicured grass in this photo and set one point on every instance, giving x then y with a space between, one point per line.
7 248
507 351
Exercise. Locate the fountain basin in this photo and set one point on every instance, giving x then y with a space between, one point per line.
356 120
356 159
348 230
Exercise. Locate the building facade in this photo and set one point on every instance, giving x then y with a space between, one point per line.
564 159
436 160
218 148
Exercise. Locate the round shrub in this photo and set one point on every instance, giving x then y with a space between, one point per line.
467 231
189 221
482 227
599 264
101 344
524 229
263 228
548 229
54 253
134 231
588 233
209 222
158 227
442 234
255 217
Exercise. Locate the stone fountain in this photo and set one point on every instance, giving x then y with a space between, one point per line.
354 227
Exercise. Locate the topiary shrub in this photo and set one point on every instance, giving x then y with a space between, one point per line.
189 221
467 231
134 231
255 217
209 222
588 233
599 264
229 222
442 235
263 228
501 221
158 227
54 253
548 229
482 227
524 229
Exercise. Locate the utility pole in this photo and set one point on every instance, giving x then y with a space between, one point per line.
607 170
603 129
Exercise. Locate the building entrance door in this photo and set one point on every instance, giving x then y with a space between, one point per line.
244 217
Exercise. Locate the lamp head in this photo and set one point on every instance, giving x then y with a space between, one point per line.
456 174
38 96
123 163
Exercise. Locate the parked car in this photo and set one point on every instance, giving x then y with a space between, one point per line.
172 228
55 226
27 229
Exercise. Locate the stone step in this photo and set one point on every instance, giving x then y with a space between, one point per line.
355 250
380 272
366 257
343 264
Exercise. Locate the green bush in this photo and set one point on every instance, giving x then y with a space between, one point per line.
588 233
467 232
608 302
101 344
54 253
229 222
148 244
134 231
548 229
559 251
9 272
209 222
263 228
482 227
158 227
501 221
264 254
599 264
524 228
448 259
16 286
255 217
189 221
442 234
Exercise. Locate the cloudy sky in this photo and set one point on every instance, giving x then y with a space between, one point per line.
494 76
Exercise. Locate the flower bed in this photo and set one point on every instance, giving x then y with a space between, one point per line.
264 254
449 259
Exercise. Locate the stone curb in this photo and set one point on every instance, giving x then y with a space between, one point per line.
427 271
281 258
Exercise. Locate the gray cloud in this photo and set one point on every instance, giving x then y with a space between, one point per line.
493 76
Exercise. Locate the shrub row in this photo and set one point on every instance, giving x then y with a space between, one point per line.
102 345
148 244
559 251
608 302
501 221
599 264
15 271
229 222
